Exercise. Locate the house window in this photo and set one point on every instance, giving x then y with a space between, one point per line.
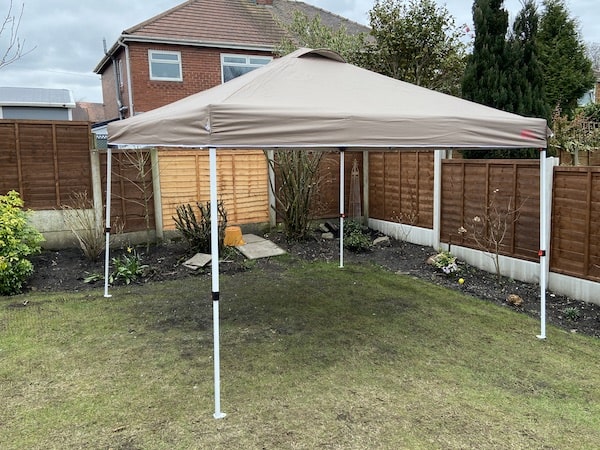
164 65
232 66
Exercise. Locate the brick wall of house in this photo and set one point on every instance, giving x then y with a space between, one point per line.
201 70
109 93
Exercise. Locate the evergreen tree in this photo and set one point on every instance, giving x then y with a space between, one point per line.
567 70
485 79
526 77
488 73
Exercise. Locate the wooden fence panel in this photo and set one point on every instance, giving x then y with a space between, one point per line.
401 187
132 196
476 191
575 239
45 161
377 185
242 183
9 161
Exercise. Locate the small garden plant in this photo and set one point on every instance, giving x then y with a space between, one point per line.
572 313
127 267
356 237
446 262
18 240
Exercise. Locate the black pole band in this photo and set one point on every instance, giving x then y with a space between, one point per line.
215 296
107 230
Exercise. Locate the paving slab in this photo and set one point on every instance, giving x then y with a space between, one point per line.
197 261
256 247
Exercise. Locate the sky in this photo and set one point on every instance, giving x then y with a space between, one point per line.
65 37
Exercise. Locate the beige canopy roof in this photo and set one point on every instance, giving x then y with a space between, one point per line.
312 98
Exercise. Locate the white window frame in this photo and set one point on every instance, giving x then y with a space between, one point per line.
177 62
247 62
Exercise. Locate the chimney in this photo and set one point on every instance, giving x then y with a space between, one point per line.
264 2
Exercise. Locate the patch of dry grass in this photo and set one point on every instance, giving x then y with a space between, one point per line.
312 357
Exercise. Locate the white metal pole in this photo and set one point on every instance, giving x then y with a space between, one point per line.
342 186
437 197
543 242
214 251
107 220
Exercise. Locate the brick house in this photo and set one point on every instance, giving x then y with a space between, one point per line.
195 46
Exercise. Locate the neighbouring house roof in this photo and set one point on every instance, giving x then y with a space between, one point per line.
235 24
36 97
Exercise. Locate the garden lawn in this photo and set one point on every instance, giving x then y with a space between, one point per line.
313 356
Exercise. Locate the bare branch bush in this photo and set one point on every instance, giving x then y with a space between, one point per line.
489 230
81 220
9 30
299 181
407 220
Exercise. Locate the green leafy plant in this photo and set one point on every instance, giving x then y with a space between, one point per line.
127 267
196 230
356 237
18 239
572 313
446 262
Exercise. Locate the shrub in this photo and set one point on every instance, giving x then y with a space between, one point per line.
197 230
18 240
356 237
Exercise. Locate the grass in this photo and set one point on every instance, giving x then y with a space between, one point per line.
313 356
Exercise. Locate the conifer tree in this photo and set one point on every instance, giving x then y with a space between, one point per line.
488 72
526 77
567 70
485 79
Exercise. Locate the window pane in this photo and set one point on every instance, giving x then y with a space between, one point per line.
259 61
165 70
234 59
231 72
165 56
235 65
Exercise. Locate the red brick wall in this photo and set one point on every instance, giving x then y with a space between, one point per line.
201 71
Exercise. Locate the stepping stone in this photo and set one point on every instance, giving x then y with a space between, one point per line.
256 247
197 261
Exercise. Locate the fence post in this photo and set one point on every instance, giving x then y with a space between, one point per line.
158 222
438 155
96 185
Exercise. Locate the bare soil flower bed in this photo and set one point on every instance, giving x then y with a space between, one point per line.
65 270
